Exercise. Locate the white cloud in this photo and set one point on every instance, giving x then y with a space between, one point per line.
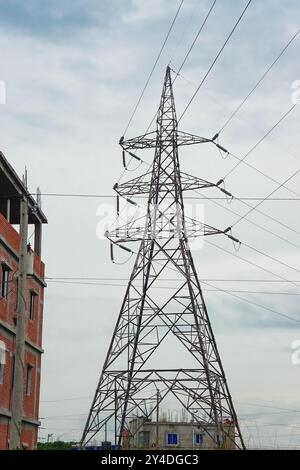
68 100
142 11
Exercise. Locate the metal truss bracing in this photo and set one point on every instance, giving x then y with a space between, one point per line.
149 140
137 367
141 185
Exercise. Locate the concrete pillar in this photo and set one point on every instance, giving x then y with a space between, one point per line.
18 386
38 239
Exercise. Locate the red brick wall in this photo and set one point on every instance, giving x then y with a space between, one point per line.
8 307
33 334
8 232
5 387
3 433
28 435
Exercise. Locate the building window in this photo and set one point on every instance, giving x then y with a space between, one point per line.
144 439
28 379
2 361
13 360
5 281
198 439
17 292
32 305
1 373
172 439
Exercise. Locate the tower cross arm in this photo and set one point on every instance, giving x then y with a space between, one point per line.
142 185
185 138
148 140
169 227
145 141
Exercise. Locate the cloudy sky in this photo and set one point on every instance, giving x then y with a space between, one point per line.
73 72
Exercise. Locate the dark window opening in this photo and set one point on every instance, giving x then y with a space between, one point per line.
172 439
198 439
144 439
32 305
5 281
2 361
13 371
28 379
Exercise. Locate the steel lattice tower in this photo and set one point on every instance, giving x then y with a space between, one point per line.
131 376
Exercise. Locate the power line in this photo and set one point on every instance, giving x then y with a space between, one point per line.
240 117
187 55
195 38
179 38
241 199
268 216
241 402
242 160
268 406
261 140
214 61
250 262
264 307
153 68
272 192
65 399
259 81
238 296
173 279
270 257
83 283
263 174
243 298
112 196
254 223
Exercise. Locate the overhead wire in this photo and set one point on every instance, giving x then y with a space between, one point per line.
271 193
154 66
256 304
187 54
255 224
195 38
281 314
173 287
233 114
268 216
250 262
260 140
174 279
259 251
112 196
215 60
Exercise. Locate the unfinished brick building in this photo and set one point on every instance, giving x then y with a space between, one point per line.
11 191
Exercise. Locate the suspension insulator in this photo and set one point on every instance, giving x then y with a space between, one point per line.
134 156
131 201
112 252
124 159
125 248
118 204
233 239
226 192
222 148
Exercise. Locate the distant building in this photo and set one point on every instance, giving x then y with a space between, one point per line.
11 190
145 434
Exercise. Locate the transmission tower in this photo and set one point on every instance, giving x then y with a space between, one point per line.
134 374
